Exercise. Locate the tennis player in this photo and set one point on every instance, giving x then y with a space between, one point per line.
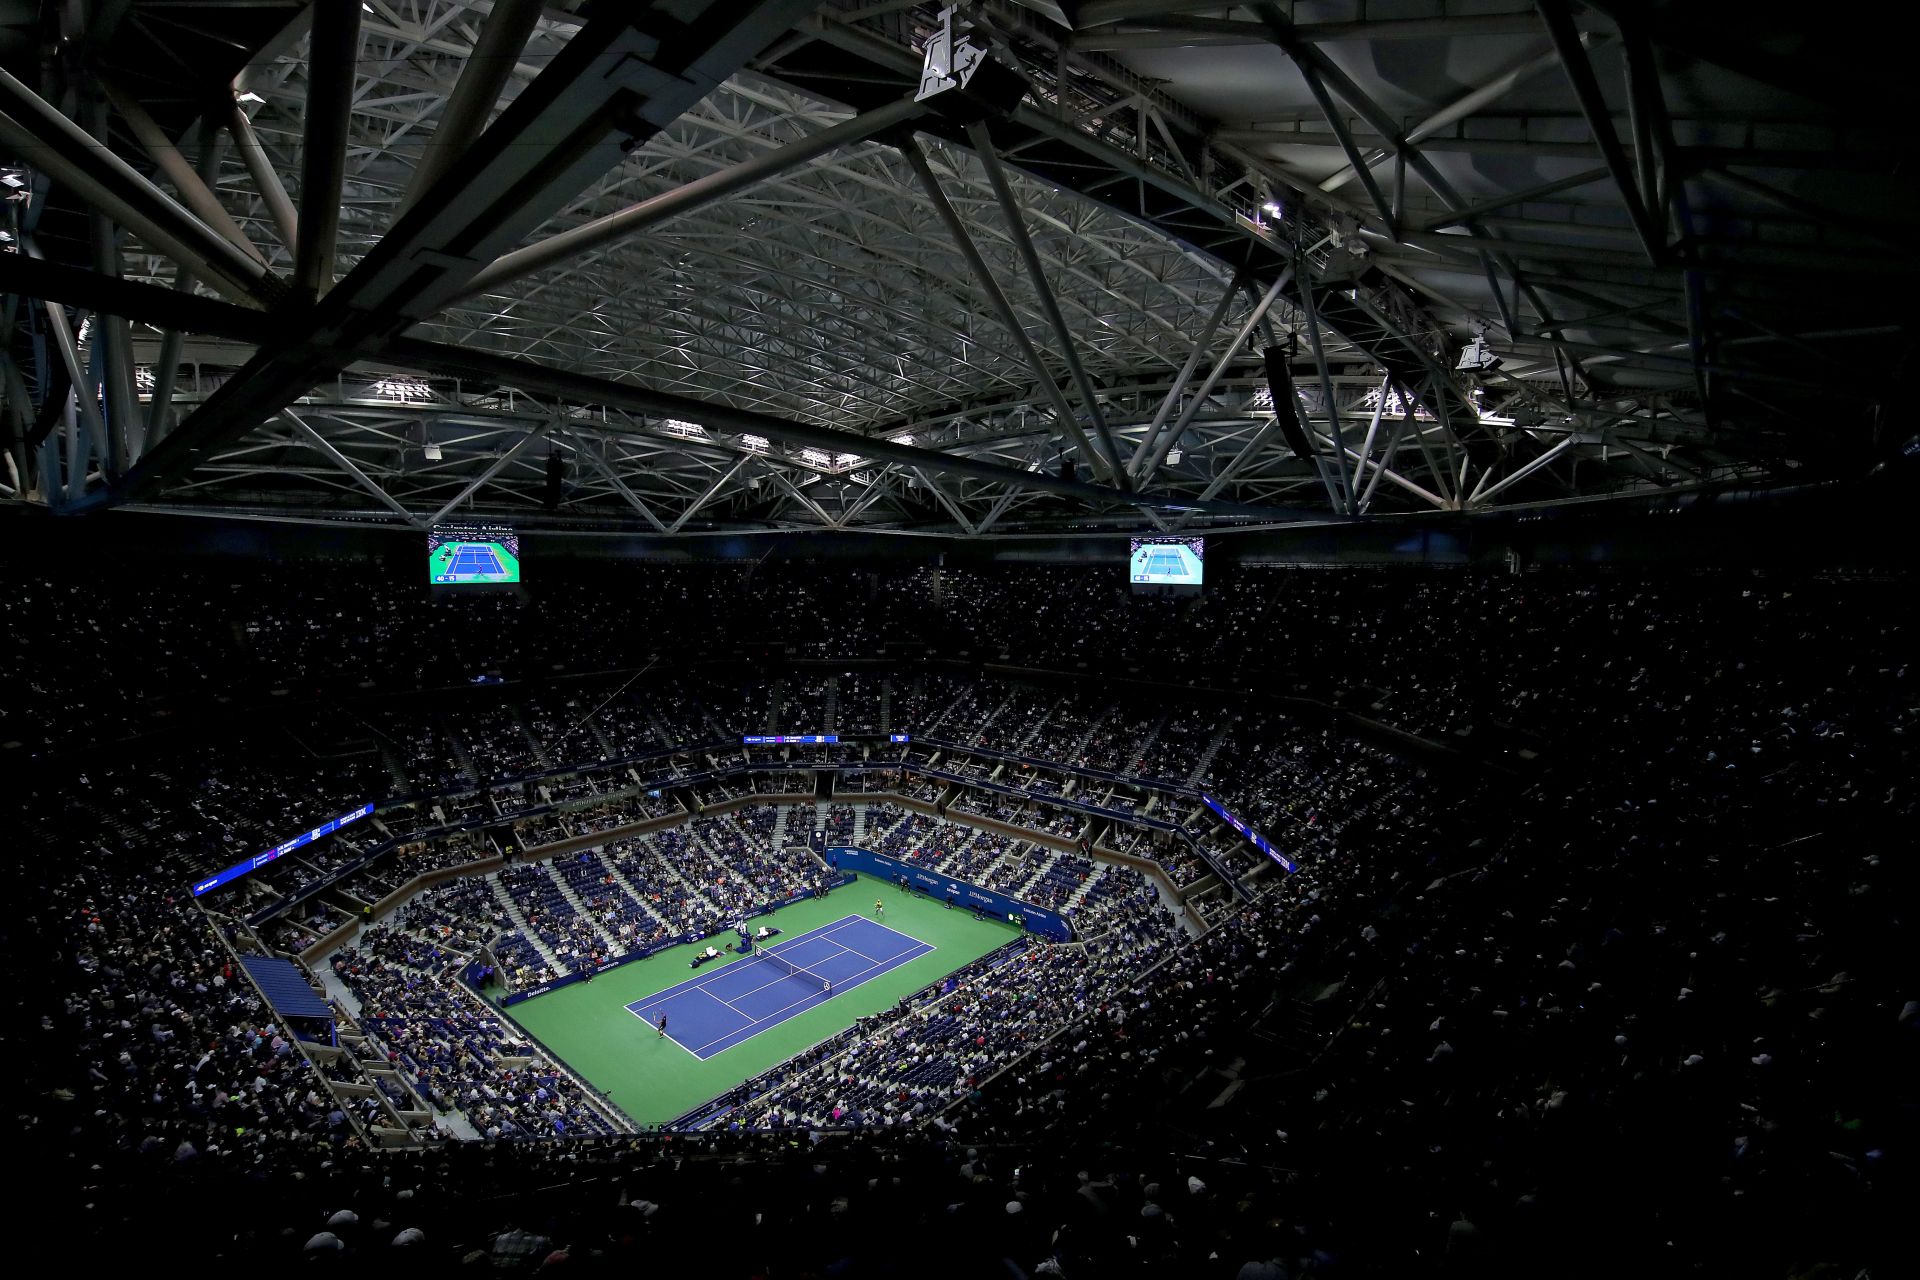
663 1026
879 910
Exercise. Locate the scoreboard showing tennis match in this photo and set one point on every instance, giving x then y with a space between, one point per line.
1167 562
459 554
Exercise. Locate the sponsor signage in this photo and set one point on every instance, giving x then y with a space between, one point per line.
1254 837
259 860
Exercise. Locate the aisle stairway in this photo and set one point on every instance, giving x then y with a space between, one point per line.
1199 773
520 924
632 890
585 912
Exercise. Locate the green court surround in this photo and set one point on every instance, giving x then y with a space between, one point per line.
655 1080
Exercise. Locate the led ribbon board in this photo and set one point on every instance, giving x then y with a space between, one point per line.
1258 841
259 860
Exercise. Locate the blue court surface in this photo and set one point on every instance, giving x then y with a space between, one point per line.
474 559
712 1013
1165 562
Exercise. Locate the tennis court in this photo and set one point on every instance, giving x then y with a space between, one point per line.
713 1013
474 559
592 1026
1166 562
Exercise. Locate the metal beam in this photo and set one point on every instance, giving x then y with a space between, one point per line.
1201 342
1326 389
163 307
49 142
1468 104
585 389
628 73
1356 163
265 177
1192 410
346 464
800 495
1599 116
1418 491
1049 305
1480 498
984 277
619 486
1387 455
1507 199
333 49
953 508
192 189
708 495
690 196
166 366
503 35
495 468
31 276
1159 32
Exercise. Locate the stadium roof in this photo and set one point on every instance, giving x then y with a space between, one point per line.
689 267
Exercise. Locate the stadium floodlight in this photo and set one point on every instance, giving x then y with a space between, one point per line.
1174 456
401 389
431 452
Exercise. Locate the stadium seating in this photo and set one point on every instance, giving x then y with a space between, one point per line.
1646 891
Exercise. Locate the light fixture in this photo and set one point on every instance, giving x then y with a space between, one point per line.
401 389
1174 456
250 96
1477 355
431 452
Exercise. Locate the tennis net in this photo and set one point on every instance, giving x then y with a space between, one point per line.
793 970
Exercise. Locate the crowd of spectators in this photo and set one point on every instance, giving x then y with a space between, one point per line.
938 1052
459 1055
1639 1006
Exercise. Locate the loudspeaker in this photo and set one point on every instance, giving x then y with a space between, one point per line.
991 92
556 479
1286 404
1069 469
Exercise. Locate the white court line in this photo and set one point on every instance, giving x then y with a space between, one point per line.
893 962
701 984
777 981
823 932
844 921
655 1026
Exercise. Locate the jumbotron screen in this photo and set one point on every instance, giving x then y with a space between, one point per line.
462 554
1167 562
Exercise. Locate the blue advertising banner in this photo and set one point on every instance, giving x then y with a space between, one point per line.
1259 841
1034 919
259 860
